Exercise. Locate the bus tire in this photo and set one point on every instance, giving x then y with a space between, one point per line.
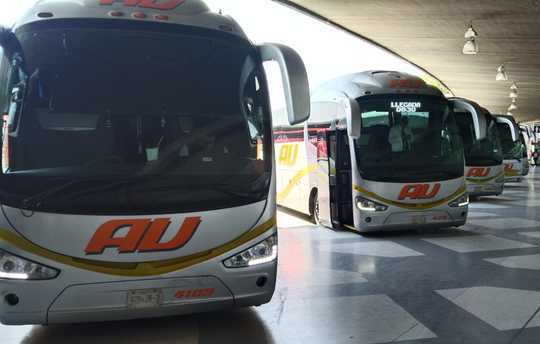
314 206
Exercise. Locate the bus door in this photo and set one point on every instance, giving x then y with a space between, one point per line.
323 177
340 179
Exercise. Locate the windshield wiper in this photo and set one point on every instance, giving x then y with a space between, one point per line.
36 201
485 158
229 190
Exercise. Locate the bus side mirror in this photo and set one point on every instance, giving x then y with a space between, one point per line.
9 43
4 36
354 117
295 80
480 122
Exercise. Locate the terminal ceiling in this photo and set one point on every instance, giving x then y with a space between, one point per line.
430 34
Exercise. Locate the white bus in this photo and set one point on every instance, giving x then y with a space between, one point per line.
526 142
484 171
381 151
138 177
513 147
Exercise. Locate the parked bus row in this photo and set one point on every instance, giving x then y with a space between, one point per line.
138 159
383 150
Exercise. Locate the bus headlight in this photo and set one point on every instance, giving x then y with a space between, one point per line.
461 201
16 268
366 204
264 252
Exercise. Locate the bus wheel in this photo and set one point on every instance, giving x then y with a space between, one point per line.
314 206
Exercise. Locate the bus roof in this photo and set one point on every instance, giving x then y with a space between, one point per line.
180 12
373 83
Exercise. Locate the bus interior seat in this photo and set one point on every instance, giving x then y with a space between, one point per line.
48 148
378 139
235 140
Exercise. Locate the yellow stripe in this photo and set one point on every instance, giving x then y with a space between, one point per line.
141 269
419 206
511 173
294 180
349 227
483 181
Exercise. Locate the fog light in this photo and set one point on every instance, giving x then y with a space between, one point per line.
12 299
261 281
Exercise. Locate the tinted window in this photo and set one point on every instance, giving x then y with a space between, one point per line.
408 138
172 121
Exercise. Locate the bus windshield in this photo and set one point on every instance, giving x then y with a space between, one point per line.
511 149
126 120
484 152
408 138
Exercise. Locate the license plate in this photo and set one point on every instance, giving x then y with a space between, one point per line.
418 219
149 298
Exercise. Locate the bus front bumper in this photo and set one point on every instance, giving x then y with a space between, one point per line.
78 295
513 179
48 303
410 220
492 189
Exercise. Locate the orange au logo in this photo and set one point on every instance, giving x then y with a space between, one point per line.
508 167
152 4
419 191
143 235
478 172
288 154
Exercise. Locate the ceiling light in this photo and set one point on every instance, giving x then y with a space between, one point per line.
514 86
470 47
471 32
501 74
512 107
513 94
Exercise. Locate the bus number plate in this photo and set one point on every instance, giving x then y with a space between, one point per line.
149 298
418 219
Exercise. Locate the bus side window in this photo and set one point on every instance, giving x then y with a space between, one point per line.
15 91
5 71
322 148
253 107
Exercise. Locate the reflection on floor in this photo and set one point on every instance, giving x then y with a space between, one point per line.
476 284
